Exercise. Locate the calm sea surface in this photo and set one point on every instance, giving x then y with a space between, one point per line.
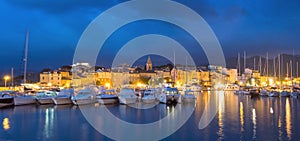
237 118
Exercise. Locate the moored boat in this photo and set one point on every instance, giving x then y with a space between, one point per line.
6 101
107 97
83 97
274 94
149 96
24 100
45 97
127 96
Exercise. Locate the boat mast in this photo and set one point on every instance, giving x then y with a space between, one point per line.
274 63
239 64
297 69
279 67
12 77
260 65
254 63
245 60
267 64
26 55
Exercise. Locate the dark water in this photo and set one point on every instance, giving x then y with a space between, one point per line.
238 118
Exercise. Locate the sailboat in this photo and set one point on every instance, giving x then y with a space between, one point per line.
24 99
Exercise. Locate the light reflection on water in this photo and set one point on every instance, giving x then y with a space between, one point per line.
238 117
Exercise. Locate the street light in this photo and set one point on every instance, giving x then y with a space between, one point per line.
6 78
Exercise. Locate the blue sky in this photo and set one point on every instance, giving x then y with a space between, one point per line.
55 26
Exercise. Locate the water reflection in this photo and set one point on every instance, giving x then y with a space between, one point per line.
5 123
221 111
236 117
288 118
254 123
242 116
49 122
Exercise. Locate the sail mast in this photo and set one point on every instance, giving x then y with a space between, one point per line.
26 56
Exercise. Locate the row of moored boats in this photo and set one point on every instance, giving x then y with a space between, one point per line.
94 95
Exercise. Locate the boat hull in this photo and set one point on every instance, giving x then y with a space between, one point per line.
148 100
106 101
44 101
24 101
4 102
62 101
83 101
127 100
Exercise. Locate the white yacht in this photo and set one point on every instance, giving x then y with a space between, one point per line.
107 97
45 97
170 96
231 87
274 94
24 100
286 92
149 96
127 96
63 97
264 92
83 97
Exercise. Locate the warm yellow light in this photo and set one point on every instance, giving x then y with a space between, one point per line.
139 84
67 85
49 84
6 77
107 85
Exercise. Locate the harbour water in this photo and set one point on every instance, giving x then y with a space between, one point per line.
239 117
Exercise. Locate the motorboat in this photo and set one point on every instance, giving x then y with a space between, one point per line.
127 96
264 92
63 97
254 93
170 96
83 97
6 100
149 96
285 93
24 100
242 92
274 94
189 96
107 97
45 97
231 87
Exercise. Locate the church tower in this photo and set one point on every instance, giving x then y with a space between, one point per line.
149 64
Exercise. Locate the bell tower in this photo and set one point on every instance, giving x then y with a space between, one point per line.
149 64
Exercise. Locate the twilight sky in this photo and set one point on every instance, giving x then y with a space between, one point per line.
55 27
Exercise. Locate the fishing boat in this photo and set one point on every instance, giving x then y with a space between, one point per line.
127 96
149 96
45 97
189 96
83 97
107 97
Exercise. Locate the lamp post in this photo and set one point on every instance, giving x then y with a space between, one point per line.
6 78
